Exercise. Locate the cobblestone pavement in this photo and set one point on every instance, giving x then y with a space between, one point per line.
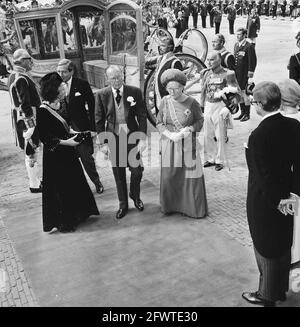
226 190
15 289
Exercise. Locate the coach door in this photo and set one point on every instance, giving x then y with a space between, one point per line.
125 46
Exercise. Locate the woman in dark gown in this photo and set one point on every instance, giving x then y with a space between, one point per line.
67 198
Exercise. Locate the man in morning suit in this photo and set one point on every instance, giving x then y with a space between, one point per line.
245 64
121 116
273 159
80 118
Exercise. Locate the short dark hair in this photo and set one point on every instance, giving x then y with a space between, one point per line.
50 84
243 30
268 93
221 38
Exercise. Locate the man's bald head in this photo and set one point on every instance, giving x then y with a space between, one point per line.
114 76
214 59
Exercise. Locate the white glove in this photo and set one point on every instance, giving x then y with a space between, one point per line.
169 135
27 134
105 150
142 146
186 131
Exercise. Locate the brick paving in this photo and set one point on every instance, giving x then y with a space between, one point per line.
15 289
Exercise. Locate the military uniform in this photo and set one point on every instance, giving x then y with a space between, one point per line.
25 101
245 63
215 113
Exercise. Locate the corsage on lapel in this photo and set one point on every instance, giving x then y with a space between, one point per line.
187 112
131 100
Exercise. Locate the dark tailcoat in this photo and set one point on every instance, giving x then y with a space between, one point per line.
81 116
273 158
105 112
245 62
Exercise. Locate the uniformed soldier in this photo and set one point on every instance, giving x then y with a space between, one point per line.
25 100
215 79
245 64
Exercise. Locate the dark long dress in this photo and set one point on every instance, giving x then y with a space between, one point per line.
67 198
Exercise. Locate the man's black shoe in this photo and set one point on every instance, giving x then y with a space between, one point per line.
36 190
245 118
254 298
99 188
240 116
138 203
208 164
219 167
121 213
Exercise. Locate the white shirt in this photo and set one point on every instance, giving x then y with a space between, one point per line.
69 83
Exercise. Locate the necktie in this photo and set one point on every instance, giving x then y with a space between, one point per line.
118 97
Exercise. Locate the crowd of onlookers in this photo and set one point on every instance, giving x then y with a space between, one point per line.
271 8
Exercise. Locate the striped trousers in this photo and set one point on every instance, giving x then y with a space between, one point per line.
274 275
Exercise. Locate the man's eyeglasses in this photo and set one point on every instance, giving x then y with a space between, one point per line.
29 58
255 102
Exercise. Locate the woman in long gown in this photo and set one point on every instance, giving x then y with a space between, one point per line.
182 185
67 199
290 102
